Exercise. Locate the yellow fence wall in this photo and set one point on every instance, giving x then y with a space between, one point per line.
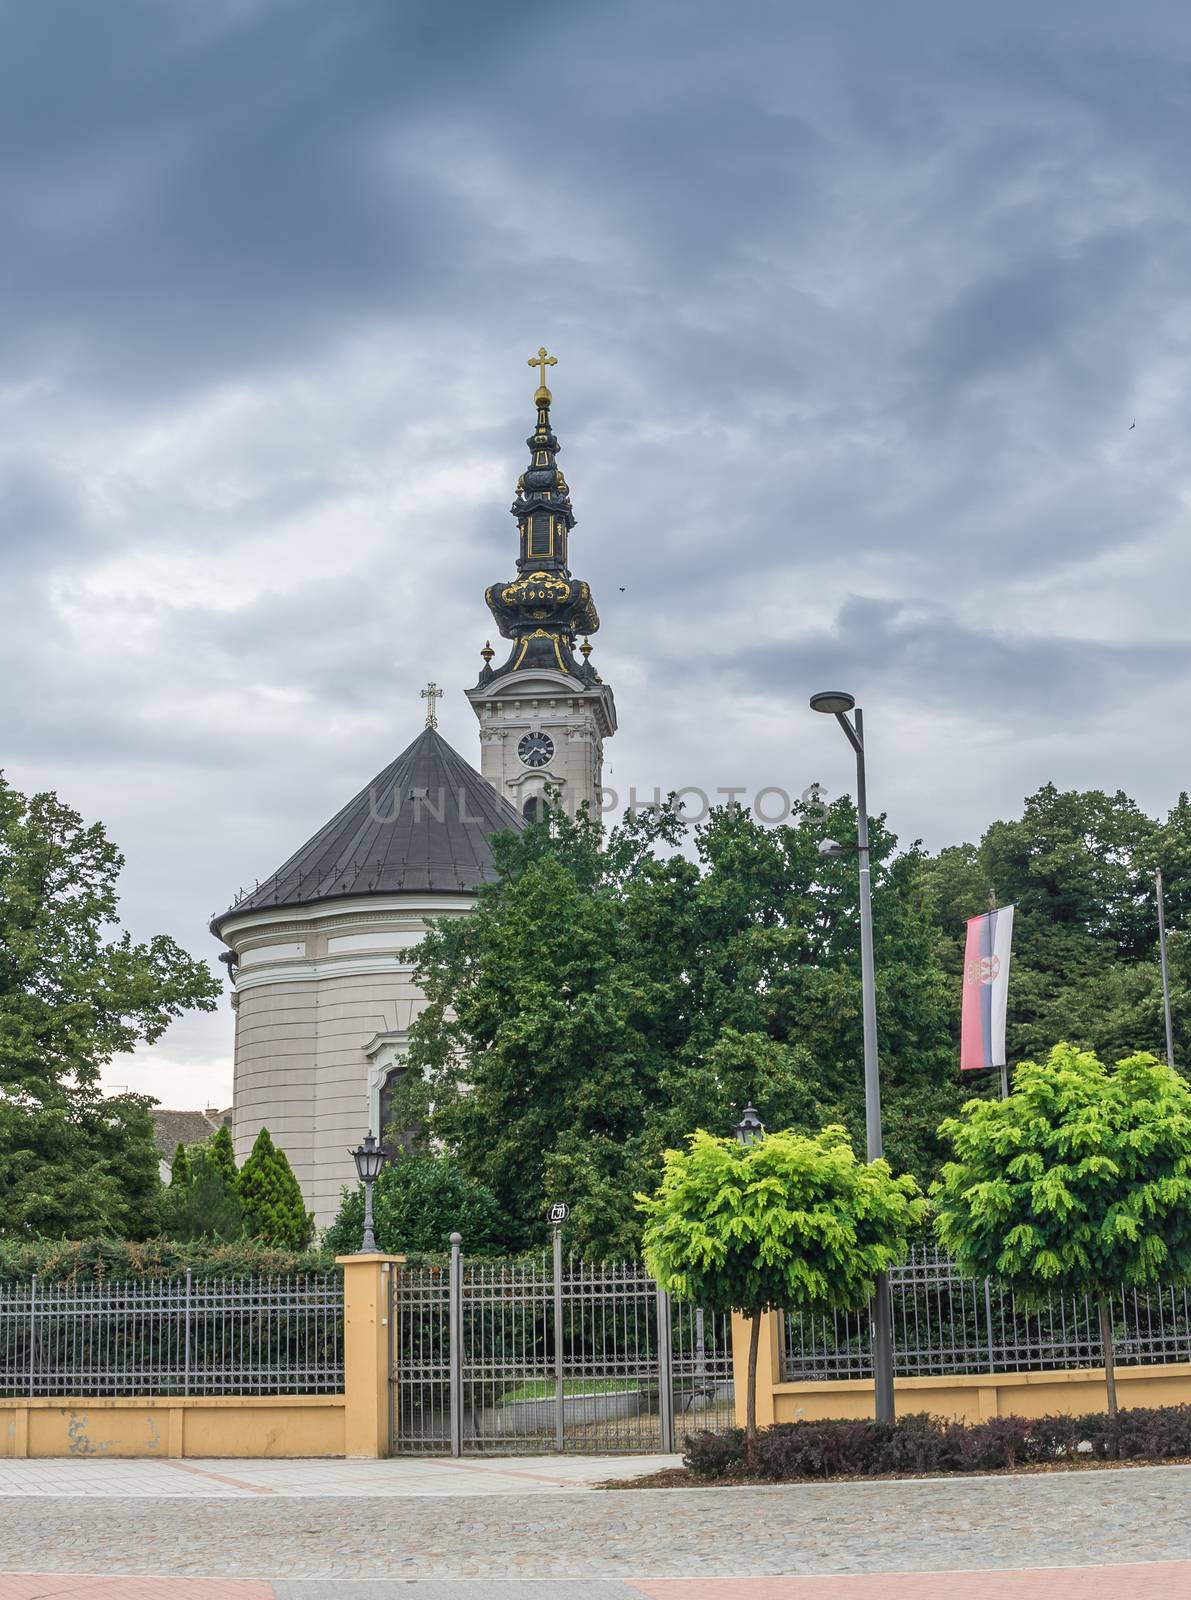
226 1425
967 1399
354 1423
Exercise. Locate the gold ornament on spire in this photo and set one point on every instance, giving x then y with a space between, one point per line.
542 361
585 649
487 652
432 694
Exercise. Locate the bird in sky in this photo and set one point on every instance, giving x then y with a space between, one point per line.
622 588
1131 426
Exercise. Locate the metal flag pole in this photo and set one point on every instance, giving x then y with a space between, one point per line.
1165 968
1004 1065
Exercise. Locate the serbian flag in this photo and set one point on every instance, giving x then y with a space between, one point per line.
986 990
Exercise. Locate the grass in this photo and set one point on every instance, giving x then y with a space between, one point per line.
546 1388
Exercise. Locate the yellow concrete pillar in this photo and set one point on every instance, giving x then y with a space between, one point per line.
769 1365
368 1282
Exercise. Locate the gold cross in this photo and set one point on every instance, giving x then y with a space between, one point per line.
542 361
432 694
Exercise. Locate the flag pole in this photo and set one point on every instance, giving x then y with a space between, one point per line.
1004 1066
1165 968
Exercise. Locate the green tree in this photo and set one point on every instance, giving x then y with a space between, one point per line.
791 1222
77 1165
272 1203
419 1200
72 996
606 996
1079 867
179 1168
223 1154
1078 1183
201 1203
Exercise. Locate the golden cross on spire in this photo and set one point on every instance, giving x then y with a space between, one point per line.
542 361
432 694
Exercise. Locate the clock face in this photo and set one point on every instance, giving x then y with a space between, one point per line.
535 749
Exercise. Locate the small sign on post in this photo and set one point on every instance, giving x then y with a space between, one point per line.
558 1214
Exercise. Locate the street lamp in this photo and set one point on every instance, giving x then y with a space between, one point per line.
837 703
750 1129
369 1158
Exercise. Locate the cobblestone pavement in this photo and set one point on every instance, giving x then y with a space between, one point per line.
944 1525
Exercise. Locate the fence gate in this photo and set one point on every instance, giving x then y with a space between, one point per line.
547 1355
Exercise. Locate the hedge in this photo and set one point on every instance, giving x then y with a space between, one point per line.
791 1452
103 1260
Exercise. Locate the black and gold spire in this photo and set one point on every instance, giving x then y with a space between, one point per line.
543 608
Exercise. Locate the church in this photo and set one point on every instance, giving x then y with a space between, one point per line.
319 952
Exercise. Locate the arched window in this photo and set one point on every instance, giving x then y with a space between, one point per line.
535 809
393 1141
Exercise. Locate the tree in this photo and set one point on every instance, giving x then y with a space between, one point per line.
419 1200
200 1203
791 1222
180 1167
1079 867
78 1165
1077 1184
222 1153
608 995
271 1199
71 998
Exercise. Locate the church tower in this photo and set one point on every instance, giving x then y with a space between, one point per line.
544 715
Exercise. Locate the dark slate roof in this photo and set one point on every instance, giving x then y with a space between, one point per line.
423 824
172 1128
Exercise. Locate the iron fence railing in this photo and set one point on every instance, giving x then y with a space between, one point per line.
945 1325
551 1354
175 1337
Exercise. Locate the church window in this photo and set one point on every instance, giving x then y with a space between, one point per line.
534 809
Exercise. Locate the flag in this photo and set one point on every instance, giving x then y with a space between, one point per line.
986 990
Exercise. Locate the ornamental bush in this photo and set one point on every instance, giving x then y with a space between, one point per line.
790 1452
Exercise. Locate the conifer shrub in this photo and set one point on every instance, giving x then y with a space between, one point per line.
274 1211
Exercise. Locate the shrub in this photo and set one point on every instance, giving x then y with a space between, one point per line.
788 1452
419 1200
106 1260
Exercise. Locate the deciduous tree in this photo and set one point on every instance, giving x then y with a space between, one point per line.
792 1222
1077 1184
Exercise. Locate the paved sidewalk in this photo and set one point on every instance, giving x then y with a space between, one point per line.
631 1536
244 1480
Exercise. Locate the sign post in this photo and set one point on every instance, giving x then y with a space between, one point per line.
556 1216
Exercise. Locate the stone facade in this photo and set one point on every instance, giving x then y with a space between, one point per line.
324 1000
577 717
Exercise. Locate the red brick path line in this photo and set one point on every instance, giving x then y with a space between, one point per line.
66 1586
1158 1580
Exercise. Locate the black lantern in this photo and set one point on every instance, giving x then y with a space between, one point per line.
750 1129
369 1158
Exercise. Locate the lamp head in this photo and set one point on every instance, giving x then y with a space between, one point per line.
830 849
369 1158
750 1129
833 702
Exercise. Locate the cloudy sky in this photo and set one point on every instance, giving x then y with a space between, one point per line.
854 306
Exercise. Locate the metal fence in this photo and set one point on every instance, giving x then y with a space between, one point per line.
944 1325
544 1355
179 1336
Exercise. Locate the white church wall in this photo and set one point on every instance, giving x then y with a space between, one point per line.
305 1027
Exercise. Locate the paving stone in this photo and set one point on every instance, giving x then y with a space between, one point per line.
949 1525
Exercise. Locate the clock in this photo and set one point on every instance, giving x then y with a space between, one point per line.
535 749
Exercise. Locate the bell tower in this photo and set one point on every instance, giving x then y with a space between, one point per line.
544 714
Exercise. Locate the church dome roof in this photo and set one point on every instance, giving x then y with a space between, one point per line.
423 825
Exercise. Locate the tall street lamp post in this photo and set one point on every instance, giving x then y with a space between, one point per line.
369 1158
837 703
